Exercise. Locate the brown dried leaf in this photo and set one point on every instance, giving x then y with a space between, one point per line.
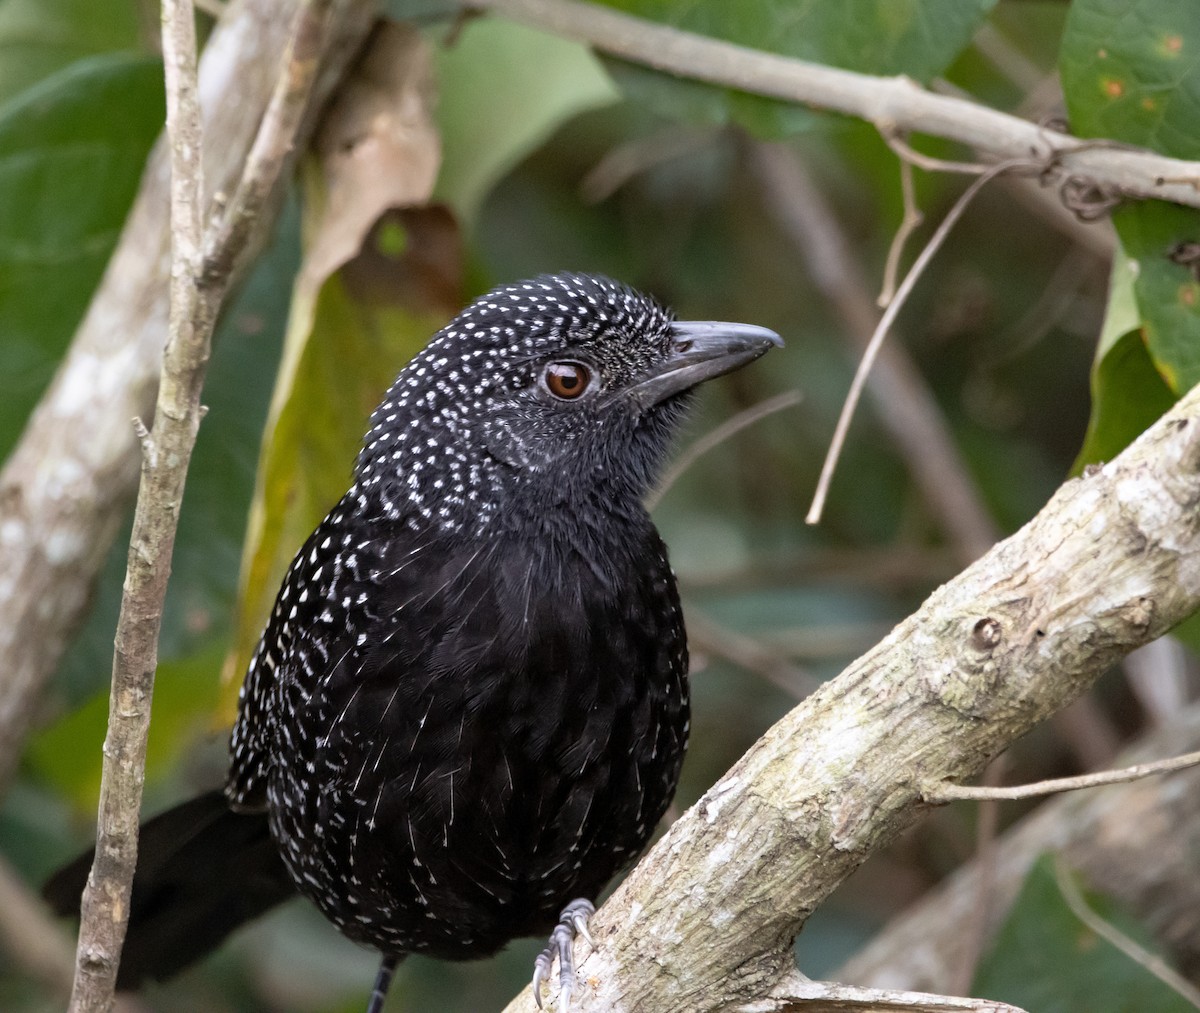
378 147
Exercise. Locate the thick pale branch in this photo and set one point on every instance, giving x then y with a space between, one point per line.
796 994
707 919
891 103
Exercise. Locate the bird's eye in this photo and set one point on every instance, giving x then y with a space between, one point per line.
567 380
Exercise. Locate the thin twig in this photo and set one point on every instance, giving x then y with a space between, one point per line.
718 435
1154 964
947 792
166 452
909 223
907 153
746 652
903 401
897 102
198 284
974 930
923 944
914 273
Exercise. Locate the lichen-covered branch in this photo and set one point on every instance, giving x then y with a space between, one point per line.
707 919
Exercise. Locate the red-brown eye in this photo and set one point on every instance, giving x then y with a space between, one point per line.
567 380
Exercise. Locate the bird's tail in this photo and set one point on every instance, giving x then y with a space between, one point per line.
203 870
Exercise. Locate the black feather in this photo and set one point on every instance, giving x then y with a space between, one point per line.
470 704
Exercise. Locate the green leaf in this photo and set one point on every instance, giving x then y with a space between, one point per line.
71 155
1128 394
503 88
1045 959
68 754
41 37
1168 294
1131 71
919 38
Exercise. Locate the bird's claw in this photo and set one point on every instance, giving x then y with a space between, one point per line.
571 923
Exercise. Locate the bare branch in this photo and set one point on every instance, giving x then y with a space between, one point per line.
797 994
168 449
272 144
902 399
895 103
199 285
911 156
885 322
948 792
1155 965
909 223
1105 835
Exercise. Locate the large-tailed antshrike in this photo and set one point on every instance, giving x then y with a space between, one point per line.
470 705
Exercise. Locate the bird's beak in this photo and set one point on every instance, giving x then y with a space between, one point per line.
700 350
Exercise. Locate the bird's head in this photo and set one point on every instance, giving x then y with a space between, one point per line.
564 388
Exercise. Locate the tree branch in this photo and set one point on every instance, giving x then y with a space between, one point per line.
883 326
947 791
1105 835
64 490
894 103
797 994
707 919
201 273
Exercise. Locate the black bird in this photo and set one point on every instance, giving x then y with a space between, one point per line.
470 705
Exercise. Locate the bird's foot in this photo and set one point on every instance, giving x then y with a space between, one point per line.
571 923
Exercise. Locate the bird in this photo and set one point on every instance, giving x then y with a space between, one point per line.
469 707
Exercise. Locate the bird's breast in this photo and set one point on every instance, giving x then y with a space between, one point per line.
503 738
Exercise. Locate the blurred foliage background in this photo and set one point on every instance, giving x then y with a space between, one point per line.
553 158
